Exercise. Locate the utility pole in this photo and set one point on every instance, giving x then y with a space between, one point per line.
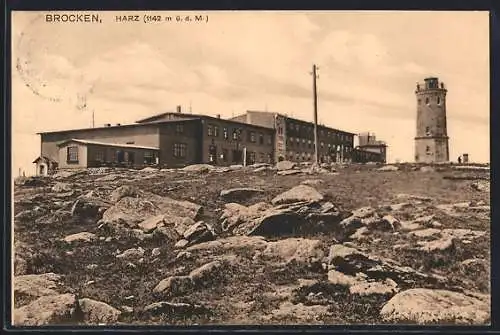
315 96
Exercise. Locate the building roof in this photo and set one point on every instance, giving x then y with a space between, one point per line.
121 145
117 126
300 120
44 158
182 116
373 145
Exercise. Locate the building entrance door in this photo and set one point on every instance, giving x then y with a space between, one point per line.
212 154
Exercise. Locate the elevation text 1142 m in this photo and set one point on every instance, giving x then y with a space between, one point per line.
152 18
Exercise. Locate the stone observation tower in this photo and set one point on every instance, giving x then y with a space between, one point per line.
431 141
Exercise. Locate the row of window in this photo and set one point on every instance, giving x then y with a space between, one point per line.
119 156
428 101
252 136
298 143
237 157
296 156
293 127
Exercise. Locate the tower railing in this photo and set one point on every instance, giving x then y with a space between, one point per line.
425 85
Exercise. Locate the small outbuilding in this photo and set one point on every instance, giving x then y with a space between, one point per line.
44 165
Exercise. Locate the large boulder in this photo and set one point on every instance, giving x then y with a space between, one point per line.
350 261
199 232
131 211
298 194
274 222
47 310
97 312
89 208
37 285
428 306
232 244
300 250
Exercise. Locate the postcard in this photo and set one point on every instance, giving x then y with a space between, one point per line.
250 168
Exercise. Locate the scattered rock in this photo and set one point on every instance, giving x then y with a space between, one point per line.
97 312
339 278
206 273
388 286
108 177
297 194
413 197
300 250
482 186
51 309
181 244
441 244
299 312
199 232
171 308
155 252
232 243
285 165
122 192
427 169
173 286
426 232
83 237
62 187
312 182
427 306
388 168
152 223
239 193
288 172
198 168
400 206
409 226
131 254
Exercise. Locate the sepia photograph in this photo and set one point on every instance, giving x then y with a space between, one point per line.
185 168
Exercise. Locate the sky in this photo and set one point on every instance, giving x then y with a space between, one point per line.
369 63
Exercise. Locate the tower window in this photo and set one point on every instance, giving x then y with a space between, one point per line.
427 130
419 101
428 149
426 101
439 100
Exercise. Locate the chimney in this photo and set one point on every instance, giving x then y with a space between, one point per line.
179 109
218 116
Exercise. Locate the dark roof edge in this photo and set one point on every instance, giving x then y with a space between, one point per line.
120 126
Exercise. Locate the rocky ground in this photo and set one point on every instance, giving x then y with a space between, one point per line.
256 245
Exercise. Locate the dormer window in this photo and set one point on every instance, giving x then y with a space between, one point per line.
426 101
